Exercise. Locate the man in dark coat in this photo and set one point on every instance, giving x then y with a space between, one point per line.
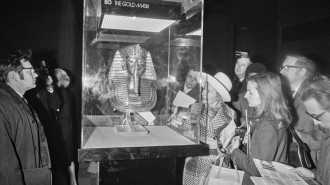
316 99
22 140
298 70
239 82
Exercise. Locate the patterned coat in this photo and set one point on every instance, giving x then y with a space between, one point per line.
197 168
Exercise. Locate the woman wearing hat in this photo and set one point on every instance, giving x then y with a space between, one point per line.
216 115
269 132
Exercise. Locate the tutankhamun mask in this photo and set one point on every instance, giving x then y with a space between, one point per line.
132 79
135 59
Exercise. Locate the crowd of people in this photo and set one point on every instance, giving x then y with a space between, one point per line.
36 136
294 98
299 101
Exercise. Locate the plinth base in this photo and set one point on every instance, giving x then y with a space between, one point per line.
131 130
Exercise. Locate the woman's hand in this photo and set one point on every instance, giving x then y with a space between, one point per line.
49 84
245 140
222 152
303 172
234 144
49 80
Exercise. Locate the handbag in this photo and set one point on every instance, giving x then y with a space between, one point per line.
300 155
224 176
38 176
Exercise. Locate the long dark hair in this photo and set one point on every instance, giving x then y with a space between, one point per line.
273 100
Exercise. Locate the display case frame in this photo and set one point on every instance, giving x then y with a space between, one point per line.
172 51
130 120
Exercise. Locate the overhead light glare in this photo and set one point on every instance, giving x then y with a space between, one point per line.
196 32
122 38
116 22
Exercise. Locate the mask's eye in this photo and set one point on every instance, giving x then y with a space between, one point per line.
142 61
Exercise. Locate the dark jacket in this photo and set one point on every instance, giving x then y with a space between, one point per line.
304 123
237 88
22 140
194 92
323 168
267 143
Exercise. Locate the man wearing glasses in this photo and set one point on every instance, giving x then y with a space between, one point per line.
316 98
23 143
298 70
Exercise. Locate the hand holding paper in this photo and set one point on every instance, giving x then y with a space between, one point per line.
227 134
183 100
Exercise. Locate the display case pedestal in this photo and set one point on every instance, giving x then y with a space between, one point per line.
144 159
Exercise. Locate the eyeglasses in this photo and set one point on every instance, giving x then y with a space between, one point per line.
239 55
191 78
66 79
314 116
287 67
242 64
32 71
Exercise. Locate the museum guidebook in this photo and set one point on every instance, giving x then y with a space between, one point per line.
275 173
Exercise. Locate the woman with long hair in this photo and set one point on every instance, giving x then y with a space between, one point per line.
269 140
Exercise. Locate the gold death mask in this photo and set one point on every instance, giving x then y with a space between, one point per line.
132 79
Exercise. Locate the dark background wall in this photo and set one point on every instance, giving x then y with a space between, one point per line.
218 36
51 29
304 27
266 29
255 29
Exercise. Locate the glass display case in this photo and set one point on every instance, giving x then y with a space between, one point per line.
137 57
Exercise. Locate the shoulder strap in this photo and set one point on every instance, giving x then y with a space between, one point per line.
295 136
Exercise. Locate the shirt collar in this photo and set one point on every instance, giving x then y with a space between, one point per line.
295 90
19 93
185 89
